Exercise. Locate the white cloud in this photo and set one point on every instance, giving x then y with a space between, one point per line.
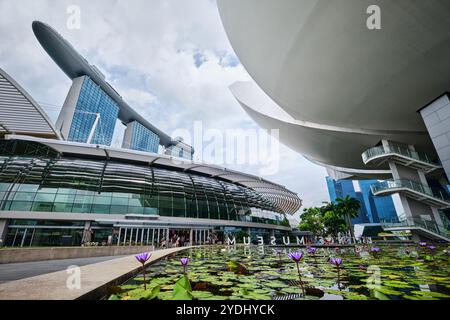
146 49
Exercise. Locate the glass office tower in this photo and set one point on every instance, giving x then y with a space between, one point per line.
373 209
138 137
180 150
93 102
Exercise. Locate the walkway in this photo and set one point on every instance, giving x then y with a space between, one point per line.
17 271
95 279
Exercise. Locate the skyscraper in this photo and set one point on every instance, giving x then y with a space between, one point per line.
373 209
137 137
88 114
93 106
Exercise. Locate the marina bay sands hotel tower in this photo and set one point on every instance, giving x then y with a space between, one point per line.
92 105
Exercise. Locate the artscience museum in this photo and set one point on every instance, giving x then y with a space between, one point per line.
363 103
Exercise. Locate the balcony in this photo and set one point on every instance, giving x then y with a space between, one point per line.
417 160
429 229
412 190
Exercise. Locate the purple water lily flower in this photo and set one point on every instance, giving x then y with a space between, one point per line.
143 258
431 248
184 263
422 244
296 256
375 250
312 250
336 261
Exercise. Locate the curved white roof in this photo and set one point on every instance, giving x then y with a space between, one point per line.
327 145
317 61
19 113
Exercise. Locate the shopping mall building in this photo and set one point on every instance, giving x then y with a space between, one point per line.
363 103
63 184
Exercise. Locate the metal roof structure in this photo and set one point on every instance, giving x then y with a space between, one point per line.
20 114
284 199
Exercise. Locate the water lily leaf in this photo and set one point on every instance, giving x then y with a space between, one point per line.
237 267
151 294
378 295
431 294
202 294
182 289
388 291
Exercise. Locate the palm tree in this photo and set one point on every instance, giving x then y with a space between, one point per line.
349 209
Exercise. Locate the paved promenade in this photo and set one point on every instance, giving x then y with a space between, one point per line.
95 279
23 270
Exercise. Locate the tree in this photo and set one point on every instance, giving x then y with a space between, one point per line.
348 208
311 220
332 220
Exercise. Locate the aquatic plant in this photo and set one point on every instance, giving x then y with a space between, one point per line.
375 251
278 252
337 262
296 257
184 263
400 279
143 258
182 289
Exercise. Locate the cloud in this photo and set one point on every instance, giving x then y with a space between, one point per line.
170 60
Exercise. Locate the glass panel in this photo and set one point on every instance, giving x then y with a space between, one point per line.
21 206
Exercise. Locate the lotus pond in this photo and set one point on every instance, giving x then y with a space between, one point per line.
263 273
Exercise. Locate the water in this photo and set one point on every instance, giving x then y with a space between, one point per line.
261 273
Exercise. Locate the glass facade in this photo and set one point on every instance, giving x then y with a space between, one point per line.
92 101
373 209
143 139
178 152
35 178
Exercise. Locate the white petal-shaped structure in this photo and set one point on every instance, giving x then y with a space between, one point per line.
327 145
20 114
335 88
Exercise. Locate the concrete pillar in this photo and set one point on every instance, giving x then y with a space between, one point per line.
436 117
128 135
3 231
414 209
191 234
87 233
65 118
125 236
118 237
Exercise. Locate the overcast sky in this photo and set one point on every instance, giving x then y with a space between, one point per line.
170 60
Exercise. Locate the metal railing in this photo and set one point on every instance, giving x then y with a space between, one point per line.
419 223
407 184
397 149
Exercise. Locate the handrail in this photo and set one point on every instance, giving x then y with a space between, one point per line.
401 150
424 224
408 184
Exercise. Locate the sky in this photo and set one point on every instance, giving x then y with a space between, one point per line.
170 59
